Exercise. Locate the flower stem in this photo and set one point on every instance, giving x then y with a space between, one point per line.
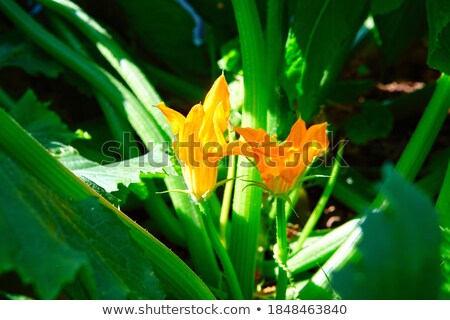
318 210
227 195
221 252
282 250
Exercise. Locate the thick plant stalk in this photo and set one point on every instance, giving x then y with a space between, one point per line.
281 251
246 213
275 50
116 122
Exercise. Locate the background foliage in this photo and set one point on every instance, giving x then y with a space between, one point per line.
80 220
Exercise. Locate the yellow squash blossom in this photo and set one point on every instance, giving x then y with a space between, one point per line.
282 164
199 141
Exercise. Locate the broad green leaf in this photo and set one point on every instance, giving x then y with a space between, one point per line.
438 12
177 279
48 243
372 122
384 6
398 255
398 28
15 51
156 163
324 31
148 121
43 124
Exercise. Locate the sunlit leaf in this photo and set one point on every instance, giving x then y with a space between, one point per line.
157 163
398 255
50 242
324 31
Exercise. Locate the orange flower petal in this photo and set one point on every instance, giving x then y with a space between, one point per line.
315 140
218 94
298 131
189 146
220 124
193 122
175 119
252 135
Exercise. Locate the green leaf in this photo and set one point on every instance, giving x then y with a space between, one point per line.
43 124
151 20
372 122
50 242
438 12
384 6
398 255
324 31
155 164
15 51
178 280
398 28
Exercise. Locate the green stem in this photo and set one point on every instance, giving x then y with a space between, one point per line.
253 62
200 248
246 213
230 274
274 49
318 210
430 124
350 197
443 201
227 195
118 95
117 57
115 120
281 251
294 197
163 219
